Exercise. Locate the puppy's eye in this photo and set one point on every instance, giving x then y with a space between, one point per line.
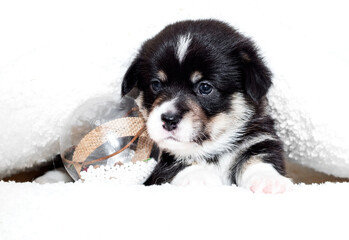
205 88
155 85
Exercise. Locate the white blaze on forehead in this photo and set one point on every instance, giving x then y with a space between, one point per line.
182 46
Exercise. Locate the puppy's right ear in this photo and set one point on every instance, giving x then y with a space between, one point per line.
130 78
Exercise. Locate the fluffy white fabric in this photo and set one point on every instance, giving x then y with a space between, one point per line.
54 56
105 211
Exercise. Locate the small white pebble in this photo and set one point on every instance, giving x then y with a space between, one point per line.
128 173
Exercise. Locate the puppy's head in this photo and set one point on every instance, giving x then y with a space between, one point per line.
198 83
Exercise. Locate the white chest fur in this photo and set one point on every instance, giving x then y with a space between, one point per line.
202 173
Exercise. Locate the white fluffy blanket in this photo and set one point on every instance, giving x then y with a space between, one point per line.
104 211
54 56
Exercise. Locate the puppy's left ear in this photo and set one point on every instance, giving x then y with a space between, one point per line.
131 78
257 76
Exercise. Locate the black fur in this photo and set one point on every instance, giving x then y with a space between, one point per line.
228 60
273 154
165 170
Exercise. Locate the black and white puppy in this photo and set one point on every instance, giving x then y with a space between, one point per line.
201 87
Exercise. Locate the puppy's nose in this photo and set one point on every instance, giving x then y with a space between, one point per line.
170 121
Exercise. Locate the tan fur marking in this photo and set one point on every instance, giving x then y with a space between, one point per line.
218 125
235 118
139 102
162 76
197 111
195 77
197 117
197 114
156 103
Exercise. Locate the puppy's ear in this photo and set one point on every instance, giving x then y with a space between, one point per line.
257 76
130 78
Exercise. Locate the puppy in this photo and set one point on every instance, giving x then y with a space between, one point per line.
201 87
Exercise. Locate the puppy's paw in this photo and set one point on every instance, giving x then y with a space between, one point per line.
270 184
196 176
263 178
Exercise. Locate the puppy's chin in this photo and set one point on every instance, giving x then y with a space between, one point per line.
175 146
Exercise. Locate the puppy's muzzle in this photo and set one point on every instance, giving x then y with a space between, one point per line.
170 121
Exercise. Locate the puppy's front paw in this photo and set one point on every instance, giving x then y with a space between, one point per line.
196 176
263 178
270 184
